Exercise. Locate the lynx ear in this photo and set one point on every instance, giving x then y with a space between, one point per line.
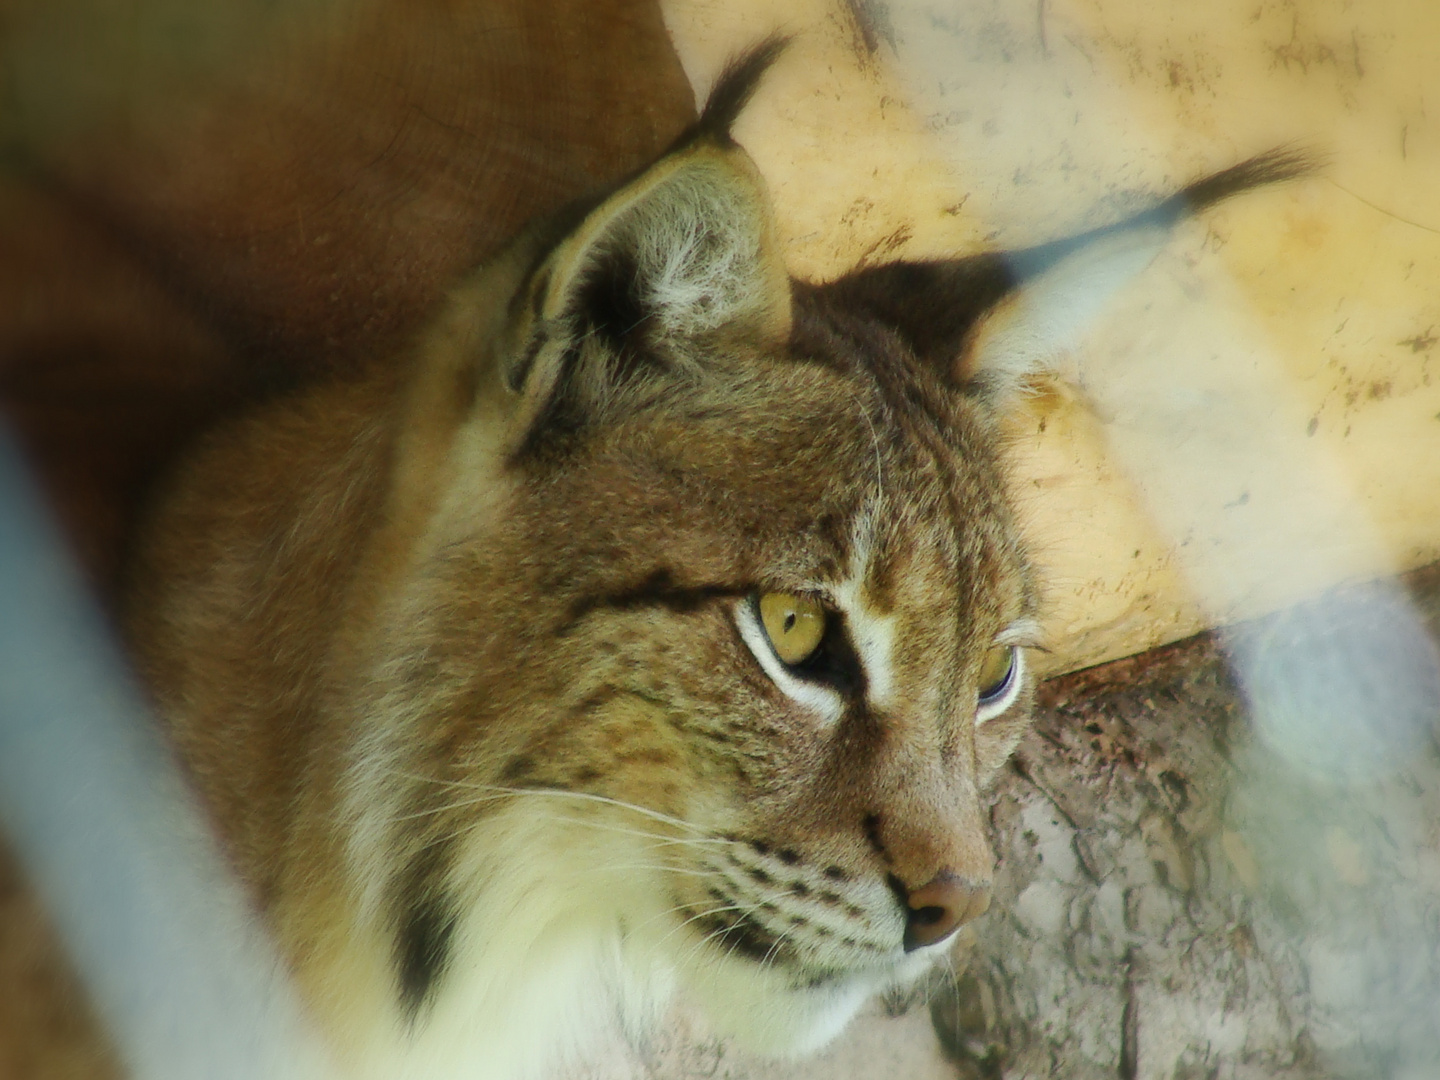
1060 291
651 285
646 288
990 321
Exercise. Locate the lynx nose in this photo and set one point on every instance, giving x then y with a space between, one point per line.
936 910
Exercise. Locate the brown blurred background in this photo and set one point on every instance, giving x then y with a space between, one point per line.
203 201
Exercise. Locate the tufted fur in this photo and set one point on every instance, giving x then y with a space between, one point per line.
461 655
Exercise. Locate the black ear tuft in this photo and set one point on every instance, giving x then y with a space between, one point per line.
989 322
1272 167
735 86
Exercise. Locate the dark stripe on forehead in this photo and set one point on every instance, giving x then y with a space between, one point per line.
818 338
658 589
918 413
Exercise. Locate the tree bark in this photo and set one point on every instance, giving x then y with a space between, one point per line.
1180 900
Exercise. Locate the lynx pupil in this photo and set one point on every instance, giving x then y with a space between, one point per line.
794 624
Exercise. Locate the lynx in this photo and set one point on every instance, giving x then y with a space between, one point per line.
651 627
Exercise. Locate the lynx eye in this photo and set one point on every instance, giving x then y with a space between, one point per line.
997 672
794 624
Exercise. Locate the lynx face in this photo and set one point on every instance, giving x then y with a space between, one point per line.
807 818
662 630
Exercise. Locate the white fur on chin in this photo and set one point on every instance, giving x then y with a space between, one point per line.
566 944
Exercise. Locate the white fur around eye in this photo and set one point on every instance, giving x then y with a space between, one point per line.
822 700
991 709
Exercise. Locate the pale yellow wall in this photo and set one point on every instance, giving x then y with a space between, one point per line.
1254 419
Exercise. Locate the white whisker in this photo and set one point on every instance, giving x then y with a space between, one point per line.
658 840
497 791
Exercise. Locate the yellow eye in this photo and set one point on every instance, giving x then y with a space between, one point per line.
995 672
794 624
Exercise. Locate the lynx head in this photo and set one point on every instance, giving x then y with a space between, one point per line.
717 628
